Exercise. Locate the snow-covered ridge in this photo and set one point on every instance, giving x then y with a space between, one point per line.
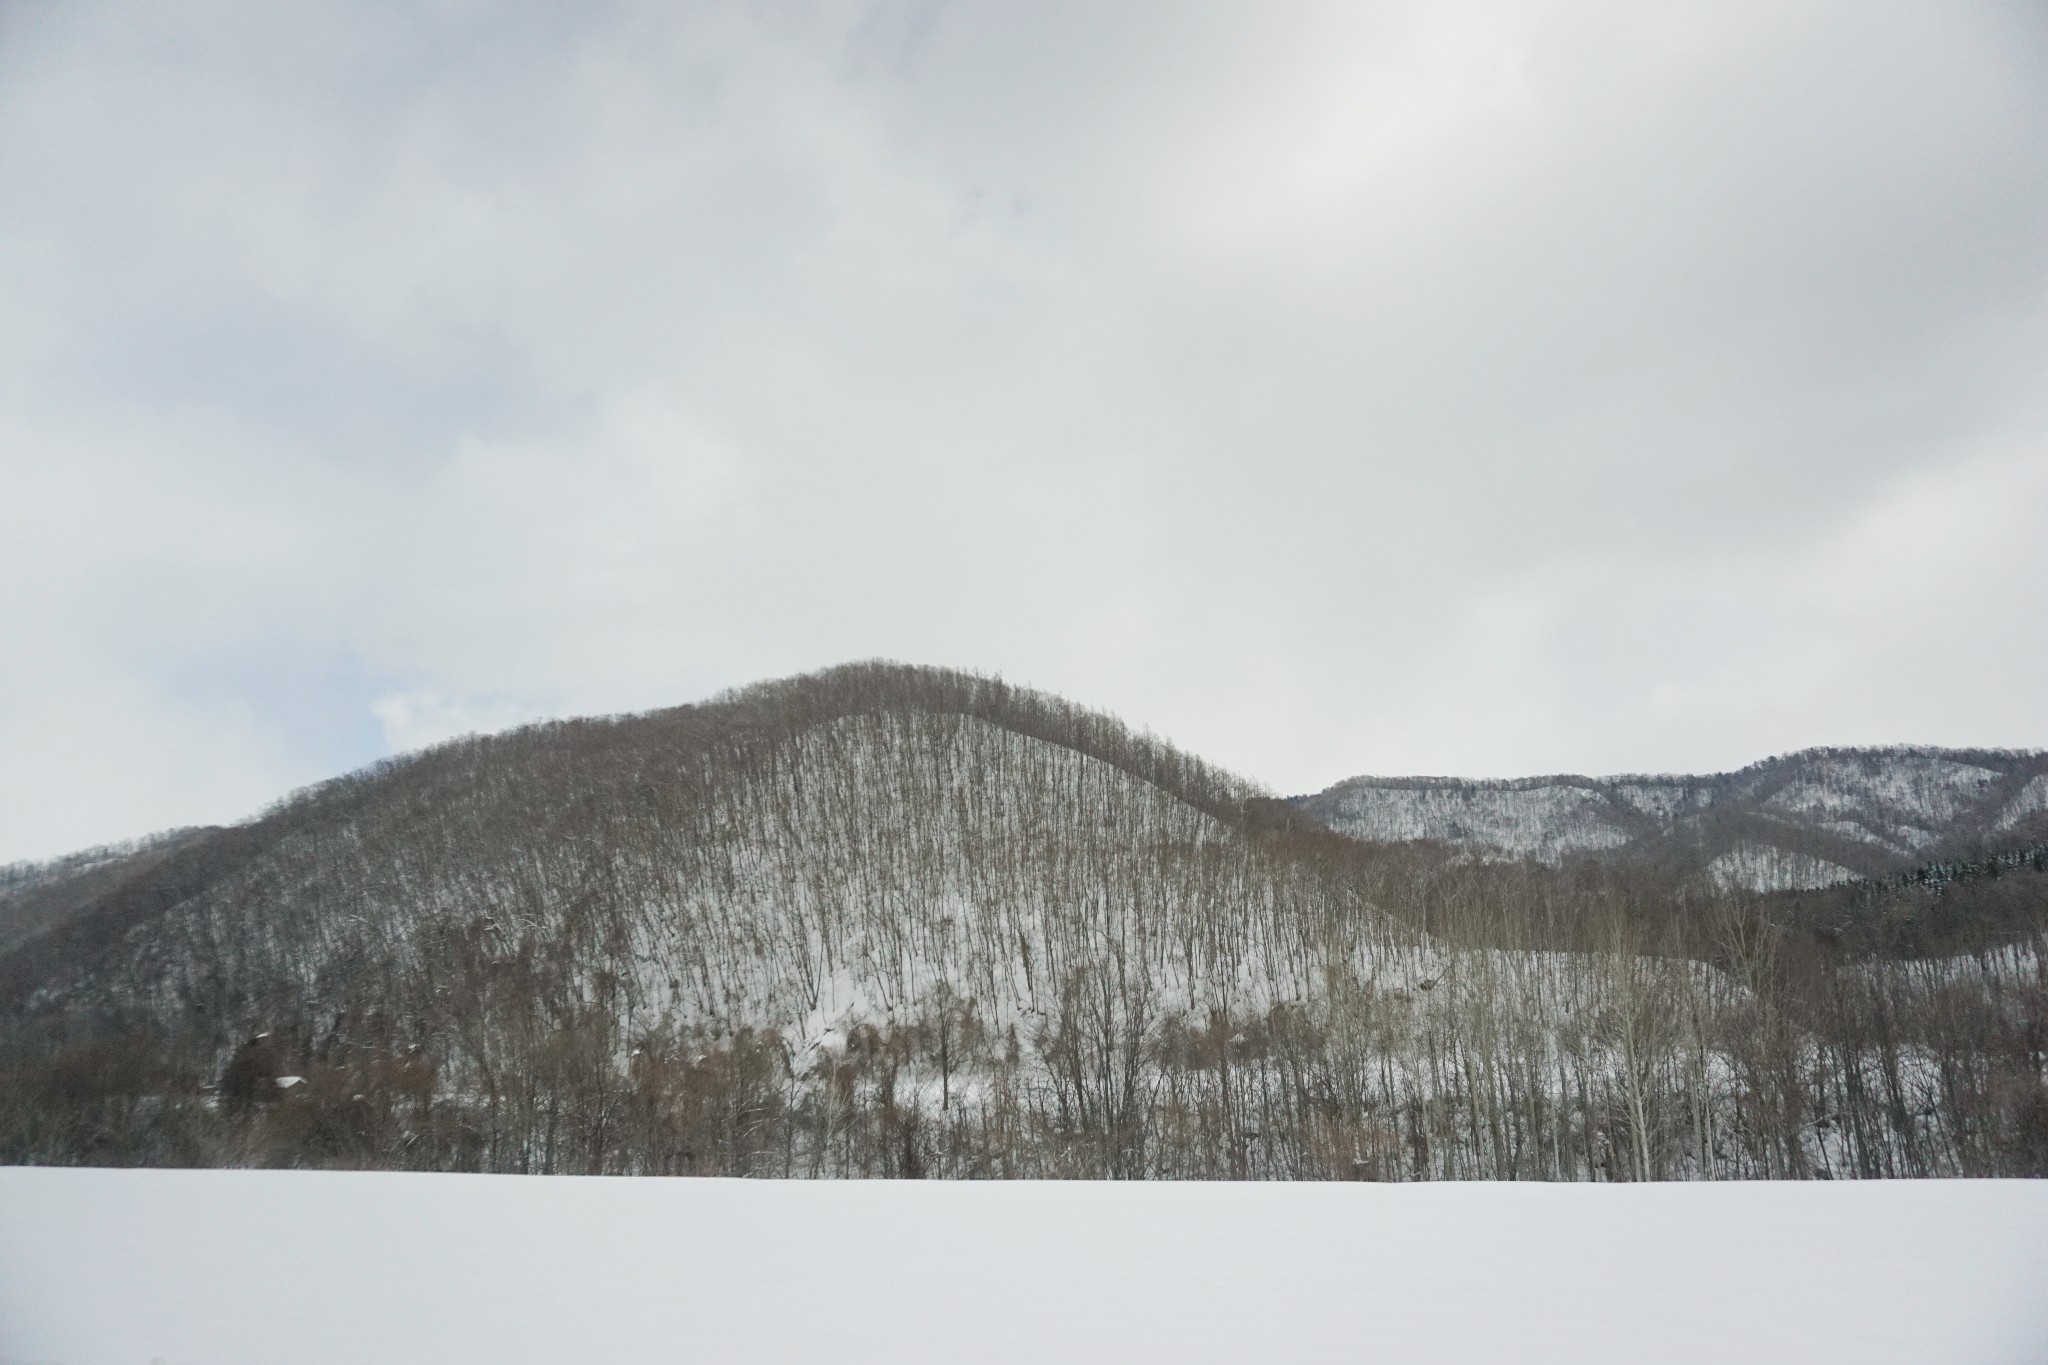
1802 820
1546 822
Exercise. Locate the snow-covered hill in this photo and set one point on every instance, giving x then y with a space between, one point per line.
1806 820
813 862
896 921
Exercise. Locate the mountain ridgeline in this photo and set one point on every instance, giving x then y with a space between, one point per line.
894 921
1819 818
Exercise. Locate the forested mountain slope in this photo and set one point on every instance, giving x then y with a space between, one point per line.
36 896
896 921
1811 819
855 840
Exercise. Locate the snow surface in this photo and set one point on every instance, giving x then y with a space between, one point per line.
1765 867
1547 822
2032 798
237 1267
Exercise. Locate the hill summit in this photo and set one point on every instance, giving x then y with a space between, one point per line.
886 920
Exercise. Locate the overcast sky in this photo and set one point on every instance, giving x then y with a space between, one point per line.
1443 387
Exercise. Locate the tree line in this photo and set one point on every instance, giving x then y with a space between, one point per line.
900 922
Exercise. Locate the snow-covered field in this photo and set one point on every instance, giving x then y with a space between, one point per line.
236 1268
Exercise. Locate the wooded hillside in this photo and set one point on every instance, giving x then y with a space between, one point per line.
900 922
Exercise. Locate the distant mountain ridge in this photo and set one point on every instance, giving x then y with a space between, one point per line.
1801 821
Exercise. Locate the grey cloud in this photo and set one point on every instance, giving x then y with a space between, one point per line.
1468 387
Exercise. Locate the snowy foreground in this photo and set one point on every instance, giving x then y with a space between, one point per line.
235 1268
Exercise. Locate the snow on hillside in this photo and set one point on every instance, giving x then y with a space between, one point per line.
1760 867
908 852
1901 800
241 1268
892 922
1805 820
2031 800
878 860
1666 798
1546 822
